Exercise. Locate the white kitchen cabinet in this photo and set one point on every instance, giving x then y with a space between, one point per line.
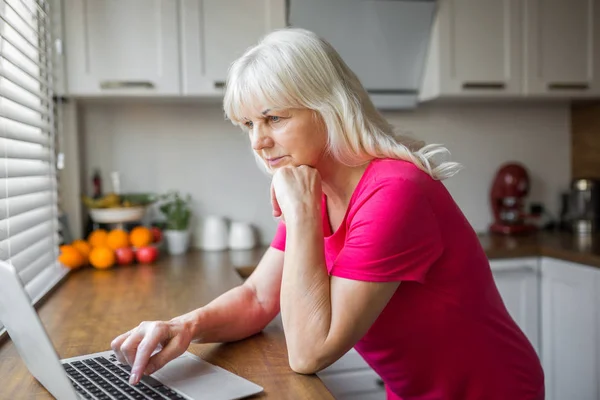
124 47
562 48
570 330
519 285
514 48
475 50
214 33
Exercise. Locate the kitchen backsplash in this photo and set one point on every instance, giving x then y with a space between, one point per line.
192 148
586 141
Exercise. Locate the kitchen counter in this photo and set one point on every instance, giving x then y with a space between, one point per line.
91 307
560 245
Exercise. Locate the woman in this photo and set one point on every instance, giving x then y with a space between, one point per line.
371 251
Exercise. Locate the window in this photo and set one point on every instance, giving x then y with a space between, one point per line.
28 196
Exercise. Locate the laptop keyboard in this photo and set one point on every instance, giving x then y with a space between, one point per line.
106 379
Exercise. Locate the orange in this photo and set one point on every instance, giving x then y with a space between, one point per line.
83 247
98 238
70 257
140 236
102 257
117 238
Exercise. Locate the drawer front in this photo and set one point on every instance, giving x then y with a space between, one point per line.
348 362
361 381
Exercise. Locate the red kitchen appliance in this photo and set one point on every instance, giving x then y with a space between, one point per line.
507 196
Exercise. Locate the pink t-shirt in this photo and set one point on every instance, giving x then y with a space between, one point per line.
445 333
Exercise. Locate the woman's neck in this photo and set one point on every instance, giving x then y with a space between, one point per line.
339 181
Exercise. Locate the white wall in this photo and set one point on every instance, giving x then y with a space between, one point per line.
191 147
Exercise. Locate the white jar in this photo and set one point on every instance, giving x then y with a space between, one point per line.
215 233
241 236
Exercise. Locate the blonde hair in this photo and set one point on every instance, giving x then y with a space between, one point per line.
294 68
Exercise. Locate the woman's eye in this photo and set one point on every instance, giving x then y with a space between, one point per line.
274 118
249 124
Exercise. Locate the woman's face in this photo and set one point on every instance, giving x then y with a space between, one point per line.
281 137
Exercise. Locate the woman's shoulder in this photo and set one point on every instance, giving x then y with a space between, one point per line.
393 172
387 180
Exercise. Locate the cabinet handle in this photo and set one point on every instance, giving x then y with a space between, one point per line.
126 85
484 85
219 85
568 86
520 268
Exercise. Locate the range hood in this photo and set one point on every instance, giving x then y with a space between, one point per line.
384 42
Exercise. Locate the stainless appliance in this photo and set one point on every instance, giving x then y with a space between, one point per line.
583 214
384 42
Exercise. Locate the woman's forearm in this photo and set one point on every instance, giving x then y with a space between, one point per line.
305 291
234 315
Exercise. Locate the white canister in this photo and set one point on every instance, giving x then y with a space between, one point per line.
215 233
241 236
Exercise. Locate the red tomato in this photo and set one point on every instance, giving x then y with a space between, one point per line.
156 234
124 255
146 254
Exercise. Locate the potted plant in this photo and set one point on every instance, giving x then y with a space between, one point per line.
177 212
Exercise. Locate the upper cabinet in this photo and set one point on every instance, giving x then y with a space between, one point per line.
214 33
478 48
562 47
122 47
160 47
514 48
475 48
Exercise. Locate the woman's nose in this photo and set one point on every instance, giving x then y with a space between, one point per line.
260 139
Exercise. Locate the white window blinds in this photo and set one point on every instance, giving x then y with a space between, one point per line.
28 199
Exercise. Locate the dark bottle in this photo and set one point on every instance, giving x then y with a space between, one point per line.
90 225
97 184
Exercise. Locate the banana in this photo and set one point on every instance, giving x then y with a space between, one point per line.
109 201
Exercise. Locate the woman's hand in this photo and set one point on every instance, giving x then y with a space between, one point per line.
295 190
137 346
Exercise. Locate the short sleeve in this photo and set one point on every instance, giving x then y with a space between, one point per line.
393 235
278 241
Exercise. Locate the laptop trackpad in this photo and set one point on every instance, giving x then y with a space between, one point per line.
201 380
183 369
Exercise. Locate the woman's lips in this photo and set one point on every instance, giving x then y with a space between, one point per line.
274 161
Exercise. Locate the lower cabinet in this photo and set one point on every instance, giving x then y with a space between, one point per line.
518 282
351 378
570 330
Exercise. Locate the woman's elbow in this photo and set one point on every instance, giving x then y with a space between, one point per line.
306 364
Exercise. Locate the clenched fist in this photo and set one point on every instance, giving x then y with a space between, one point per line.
295 190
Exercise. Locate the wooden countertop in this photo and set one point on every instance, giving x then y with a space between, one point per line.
91 307
560 245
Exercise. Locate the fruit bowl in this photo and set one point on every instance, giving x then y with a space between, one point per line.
115 215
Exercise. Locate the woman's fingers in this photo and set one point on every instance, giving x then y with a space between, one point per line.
156 334
172 350
130 345
274 203
116 346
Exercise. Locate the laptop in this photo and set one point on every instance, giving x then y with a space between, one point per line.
99 375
